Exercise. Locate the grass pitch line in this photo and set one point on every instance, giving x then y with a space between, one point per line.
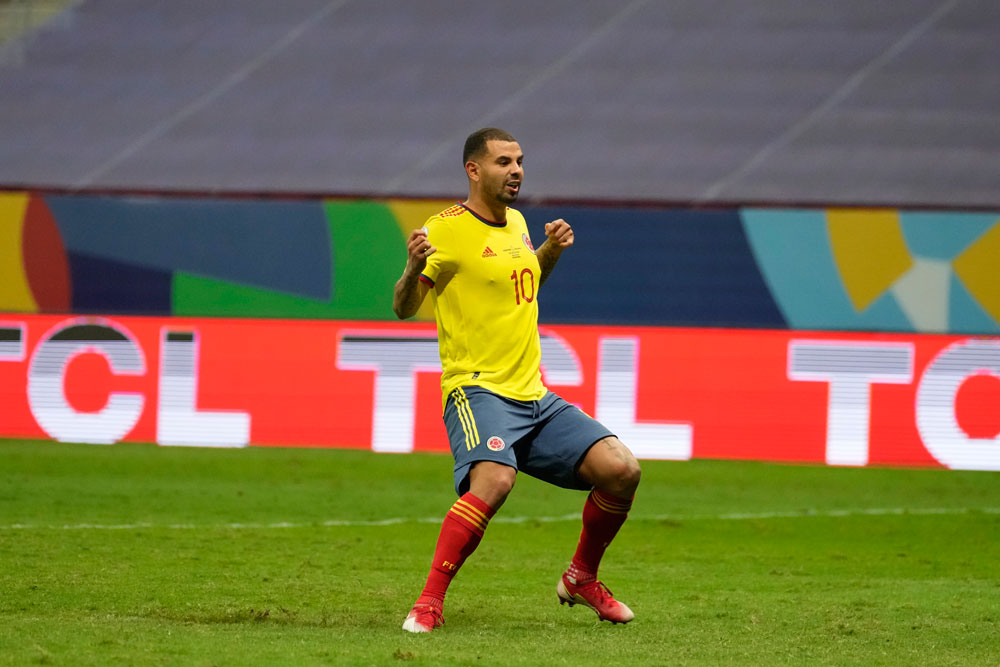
346 523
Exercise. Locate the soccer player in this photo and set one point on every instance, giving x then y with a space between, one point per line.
478 264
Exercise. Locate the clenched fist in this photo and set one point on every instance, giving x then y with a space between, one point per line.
418 249
559 233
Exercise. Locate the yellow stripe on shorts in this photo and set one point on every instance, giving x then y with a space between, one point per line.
466 417
455 396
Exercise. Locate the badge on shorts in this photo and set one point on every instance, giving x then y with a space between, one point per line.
496 443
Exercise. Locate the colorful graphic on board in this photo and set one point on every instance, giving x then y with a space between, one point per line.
842 269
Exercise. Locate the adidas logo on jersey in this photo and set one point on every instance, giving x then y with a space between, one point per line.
488 252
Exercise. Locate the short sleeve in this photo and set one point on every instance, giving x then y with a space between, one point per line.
442 262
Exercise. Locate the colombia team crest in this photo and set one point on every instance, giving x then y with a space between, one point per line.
527 242
496 443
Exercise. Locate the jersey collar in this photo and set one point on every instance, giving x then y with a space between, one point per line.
482 219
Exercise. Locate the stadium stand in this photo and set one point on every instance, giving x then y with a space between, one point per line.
858 101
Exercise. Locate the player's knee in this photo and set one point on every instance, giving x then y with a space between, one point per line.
492 482
622 473
627 476
502 480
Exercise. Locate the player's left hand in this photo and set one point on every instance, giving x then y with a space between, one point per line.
559 233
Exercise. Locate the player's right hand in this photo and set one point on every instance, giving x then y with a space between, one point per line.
418 249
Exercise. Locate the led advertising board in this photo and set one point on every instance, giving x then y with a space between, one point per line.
669 393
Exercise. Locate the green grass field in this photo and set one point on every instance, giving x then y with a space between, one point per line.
140 555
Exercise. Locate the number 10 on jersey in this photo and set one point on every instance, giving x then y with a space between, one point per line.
524 285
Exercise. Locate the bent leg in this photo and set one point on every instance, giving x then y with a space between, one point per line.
483 478
463 528
611 468
614 473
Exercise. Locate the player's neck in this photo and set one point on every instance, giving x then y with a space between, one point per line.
492 211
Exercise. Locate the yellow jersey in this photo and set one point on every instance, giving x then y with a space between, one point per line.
484 285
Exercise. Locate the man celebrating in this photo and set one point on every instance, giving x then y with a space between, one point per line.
477 261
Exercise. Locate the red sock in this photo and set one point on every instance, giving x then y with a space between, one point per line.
603 515
461 532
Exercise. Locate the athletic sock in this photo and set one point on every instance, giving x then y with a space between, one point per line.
461 532
603 515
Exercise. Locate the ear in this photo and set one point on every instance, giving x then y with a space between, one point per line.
472 170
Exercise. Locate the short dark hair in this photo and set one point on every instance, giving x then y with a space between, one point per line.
476 143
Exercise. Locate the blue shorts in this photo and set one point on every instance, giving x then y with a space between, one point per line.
546 439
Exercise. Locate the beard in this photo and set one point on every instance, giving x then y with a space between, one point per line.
507 197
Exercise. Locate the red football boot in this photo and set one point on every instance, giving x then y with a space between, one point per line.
426 615
595 595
